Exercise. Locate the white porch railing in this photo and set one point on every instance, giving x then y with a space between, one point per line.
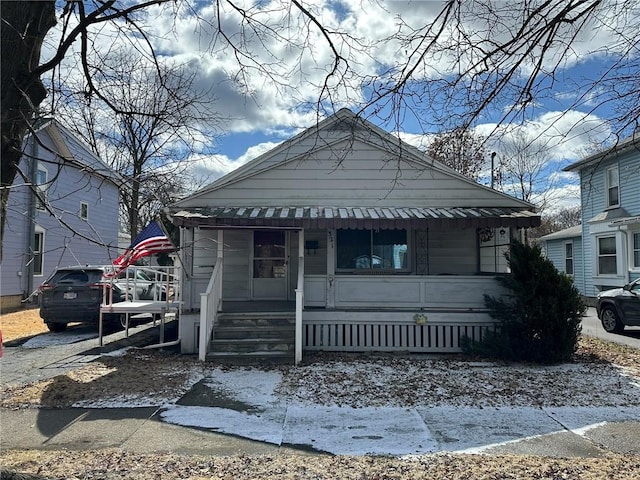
210 302
299 309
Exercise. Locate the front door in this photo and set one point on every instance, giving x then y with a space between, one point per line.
269 265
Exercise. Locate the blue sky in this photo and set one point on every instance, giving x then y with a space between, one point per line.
262 110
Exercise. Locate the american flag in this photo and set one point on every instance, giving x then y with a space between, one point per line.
149 241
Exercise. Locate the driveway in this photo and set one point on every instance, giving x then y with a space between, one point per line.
591 326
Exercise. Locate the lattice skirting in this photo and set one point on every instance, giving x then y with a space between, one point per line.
408 337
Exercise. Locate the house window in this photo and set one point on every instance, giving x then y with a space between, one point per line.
568 258
84 210
607 261
41 188
371 250
613 187
636 250
38 247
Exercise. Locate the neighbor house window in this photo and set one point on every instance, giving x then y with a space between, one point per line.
41 188
84 210
38 247
636 250
613 187
607 262
568 258
371 249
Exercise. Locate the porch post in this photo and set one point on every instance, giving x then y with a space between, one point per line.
220 258
331 267
299 297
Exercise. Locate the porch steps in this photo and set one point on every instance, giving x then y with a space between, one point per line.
254 338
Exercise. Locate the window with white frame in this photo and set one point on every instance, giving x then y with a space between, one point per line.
38 248
371 250
41 188
568 258
607 259
613 187
636 250
84 210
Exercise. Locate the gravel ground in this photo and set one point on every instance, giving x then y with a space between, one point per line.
354 380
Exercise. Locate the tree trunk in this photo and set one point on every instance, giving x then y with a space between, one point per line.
23 29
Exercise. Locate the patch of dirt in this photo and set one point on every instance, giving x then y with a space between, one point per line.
116 465
21 324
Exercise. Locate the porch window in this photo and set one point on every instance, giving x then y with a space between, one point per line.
613 187
568 258
371 249
607 262
636 250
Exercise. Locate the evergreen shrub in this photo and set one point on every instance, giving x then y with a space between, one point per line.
538 319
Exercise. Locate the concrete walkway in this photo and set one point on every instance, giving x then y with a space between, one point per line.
562 432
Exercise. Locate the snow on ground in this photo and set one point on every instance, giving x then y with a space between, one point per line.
382 405
470 410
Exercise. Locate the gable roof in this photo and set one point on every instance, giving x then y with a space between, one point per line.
346 168
620 148
74 151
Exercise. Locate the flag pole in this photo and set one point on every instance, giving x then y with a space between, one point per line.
177 249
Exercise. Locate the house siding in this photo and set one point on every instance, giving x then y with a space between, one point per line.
68 239
555 252
593 202
352 173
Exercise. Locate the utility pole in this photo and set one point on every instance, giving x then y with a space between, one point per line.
493 175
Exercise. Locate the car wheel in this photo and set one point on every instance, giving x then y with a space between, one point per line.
610 321
57 327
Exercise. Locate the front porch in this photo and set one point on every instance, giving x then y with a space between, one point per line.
420 314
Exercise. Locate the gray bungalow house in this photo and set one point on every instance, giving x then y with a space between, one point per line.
351 239
604 252
65 220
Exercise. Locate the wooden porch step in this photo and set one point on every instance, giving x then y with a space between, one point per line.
254 338
251 331
253 358
250 345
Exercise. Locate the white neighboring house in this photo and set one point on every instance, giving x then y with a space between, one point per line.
367 243
72 220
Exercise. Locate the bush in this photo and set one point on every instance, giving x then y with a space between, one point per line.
539 320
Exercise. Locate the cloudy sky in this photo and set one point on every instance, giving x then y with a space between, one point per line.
269 87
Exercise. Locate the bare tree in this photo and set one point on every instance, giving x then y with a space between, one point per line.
503 58
568 217
461 150
495 58
523 169
559 220
157 121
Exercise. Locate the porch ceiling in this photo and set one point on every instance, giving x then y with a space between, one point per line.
355 217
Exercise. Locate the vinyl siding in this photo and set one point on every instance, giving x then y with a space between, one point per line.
556 253
68 239
452 252
593 200
350 174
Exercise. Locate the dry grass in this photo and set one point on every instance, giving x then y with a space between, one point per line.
117 464
21 324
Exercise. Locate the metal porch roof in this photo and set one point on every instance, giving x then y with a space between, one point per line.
355 217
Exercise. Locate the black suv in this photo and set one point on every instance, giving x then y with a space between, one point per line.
74 294
620 307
